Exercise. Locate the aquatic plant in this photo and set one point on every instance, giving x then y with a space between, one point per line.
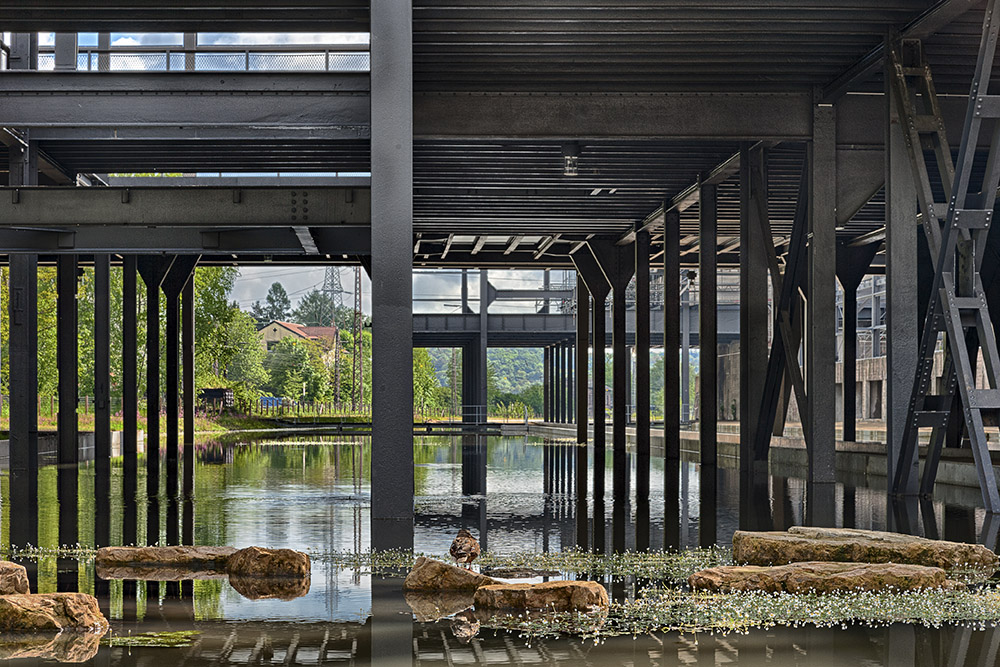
172 639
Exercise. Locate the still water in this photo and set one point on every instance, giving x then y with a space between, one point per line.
515 494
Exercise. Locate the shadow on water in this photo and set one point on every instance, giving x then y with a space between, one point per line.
516 494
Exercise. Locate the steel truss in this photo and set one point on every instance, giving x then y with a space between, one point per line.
956 231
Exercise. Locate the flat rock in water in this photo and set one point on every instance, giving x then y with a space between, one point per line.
820 577
63 647
51 611
261 562
13 578
263 588
433 575
429 606
802 544
582 596
179 558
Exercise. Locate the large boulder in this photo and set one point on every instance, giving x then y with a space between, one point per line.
262 588
433 575
13 578
111 561
260 562
51 611
62 647
582 596
820 577
801 544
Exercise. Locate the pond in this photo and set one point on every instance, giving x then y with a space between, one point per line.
311 493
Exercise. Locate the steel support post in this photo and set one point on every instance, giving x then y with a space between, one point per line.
392 275
753 300
675 378
65 51
130 400
102 399
153 270
708 364
570 383
902 327
67 359
619 392
582 359
23 346
849 363
600 406
482 389
642 313
187 360
821 304
172 368
557 382
546 384
102 360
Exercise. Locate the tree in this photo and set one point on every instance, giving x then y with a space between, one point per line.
425 384
315 309
277 305
259 313
296 370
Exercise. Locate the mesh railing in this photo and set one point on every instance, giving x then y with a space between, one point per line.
216 59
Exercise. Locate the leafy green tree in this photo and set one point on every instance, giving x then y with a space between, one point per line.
315 309
425 383
296 370
277 303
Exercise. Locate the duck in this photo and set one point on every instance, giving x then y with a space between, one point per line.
465 548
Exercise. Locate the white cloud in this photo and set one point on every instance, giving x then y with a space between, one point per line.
126 41
244 38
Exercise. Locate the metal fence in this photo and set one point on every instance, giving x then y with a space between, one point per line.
270 58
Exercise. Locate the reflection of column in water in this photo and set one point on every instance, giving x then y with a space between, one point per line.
899 647
68 484
152 521
685 504
755 502
822 504
187 523
599 527
708 503
582 518
391 625
672 504
102 503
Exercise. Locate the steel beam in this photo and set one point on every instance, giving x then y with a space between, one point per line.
642 380
715 116
67 358
820 302
211 207
263 101
582 375
392 278
708 359
754 249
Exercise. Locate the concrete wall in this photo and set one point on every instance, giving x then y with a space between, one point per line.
48 448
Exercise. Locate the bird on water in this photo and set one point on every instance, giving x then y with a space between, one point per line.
465 548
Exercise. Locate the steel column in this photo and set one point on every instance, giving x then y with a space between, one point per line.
619 392
708 364
557 382
901 326
172 345
65 51
582 359
23 364
546 384
675 368
153 270
820 304
599 342
753 298
67 359
392 276
130 399
102 360
642 314
187 355
482 389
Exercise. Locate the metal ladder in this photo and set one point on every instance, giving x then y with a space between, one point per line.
956 231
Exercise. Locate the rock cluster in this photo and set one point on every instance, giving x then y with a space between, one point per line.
800 544
254 572
819 577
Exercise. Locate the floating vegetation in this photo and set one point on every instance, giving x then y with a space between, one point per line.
175 639
78 552
667 610
669 566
